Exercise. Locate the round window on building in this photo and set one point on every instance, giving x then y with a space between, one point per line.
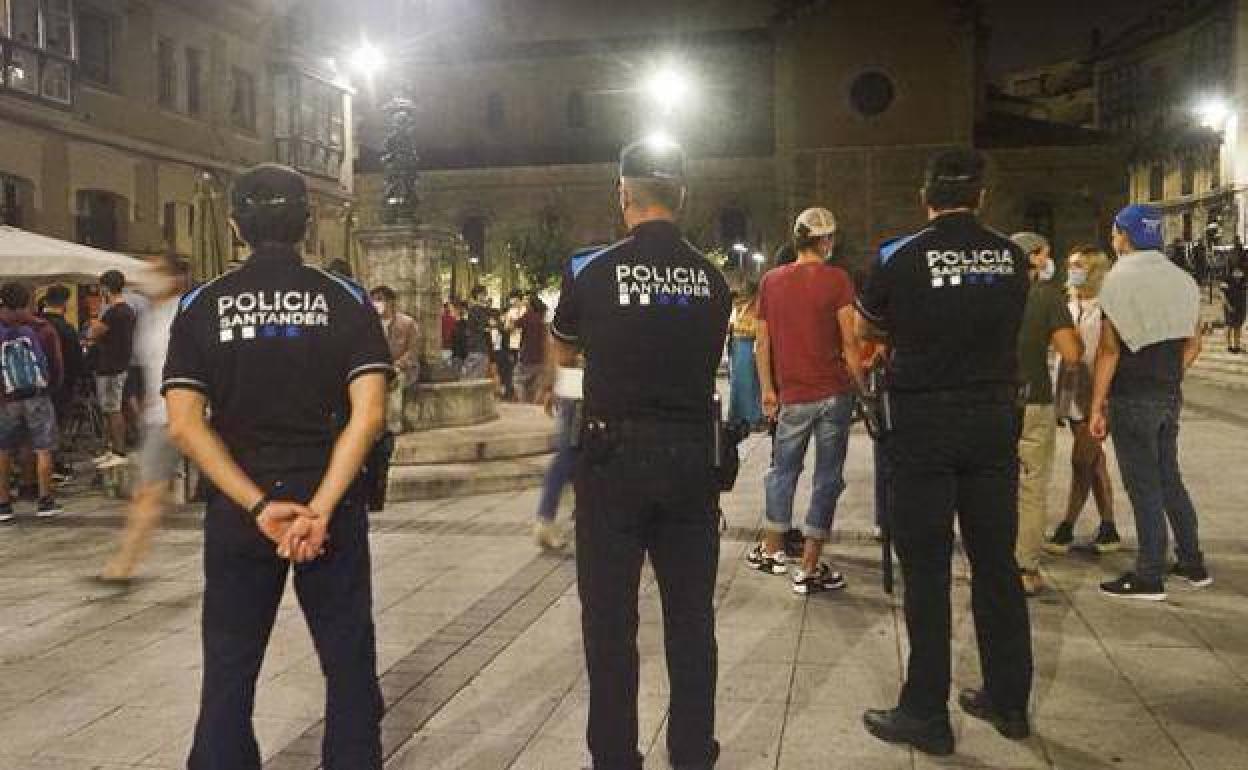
871 94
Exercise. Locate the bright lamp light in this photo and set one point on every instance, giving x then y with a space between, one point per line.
759 257
740 248
1213 113
367 59
668 87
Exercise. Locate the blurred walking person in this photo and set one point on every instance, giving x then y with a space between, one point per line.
158 458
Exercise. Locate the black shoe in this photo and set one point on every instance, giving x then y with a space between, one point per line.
772 564
1107 539
6 512
1061 539
1130 587
709 764
930 736
48 507
1011 724
1197 577
821 578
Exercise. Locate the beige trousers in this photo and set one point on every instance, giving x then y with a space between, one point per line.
1036 449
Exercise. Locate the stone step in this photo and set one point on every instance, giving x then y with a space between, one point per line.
437 482
1221 366
521 431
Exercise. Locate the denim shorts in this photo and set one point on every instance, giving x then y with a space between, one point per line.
110 391
33 417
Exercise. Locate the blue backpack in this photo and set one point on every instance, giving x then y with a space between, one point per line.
23 364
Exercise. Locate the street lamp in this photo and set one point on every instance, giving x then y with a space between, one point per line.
367 60
667 88
740 248
1213 113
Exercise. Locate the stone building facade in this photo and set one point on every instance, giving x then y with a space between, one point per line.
1173 84
122 122
787 105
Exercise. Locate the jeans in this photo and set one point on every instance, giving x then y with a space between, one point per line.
959 457
828 421
653 494
244 581
1146 440
563 464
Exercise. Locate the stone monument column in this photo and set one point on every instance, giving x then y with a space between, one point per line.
408 259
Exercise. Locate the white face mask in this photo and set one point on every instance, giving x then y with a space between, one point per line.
1077 278
1048 271
381 307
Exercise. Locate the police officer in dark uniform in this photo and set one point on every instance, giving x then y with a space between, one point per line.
651 315
293 364
950 301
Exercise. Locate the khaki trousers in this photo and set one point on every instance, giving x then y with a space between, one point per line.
1036 449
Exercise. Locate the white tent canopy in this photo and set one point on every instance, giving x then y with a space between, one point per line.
27 256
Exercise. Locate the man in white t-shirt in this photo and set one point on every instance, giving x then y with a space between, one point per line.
158 460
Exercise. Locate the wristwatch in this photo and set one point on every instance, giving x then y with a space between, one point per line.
260 505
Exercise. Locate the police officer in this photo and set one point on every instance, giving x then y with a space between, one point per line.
651 315
950 301
293 363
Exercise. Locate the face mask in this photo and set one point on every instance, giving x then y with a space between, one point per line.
381 307
1048 271
1077 278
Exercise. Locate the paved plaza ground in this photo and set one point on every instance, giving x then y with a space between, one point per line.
480 645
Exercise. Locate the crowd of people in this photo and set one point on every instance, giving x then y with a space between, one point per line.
962 347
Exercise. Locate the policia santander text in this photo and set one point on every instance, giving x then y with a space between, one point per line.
650 314
293 364
950 300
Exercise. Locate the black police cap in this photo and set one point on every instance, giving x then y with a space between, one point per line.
958 167
269 185
653 158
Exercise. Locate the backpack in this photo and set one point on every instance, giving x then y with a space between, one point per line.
23 364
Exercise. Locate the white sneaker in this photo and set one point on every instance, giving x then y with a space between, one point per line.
101 459
115 461
549 536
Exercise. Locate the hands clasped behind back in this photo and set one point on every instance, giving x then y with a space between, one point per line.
299 533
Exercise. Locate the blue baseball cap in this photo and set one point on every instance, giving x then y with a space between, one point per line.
1143 225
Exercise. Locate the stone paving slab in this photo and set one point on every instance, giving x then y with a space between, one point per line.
479 644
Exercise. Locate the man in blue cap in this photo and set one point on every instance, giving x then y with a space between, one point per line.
1150 337
650 314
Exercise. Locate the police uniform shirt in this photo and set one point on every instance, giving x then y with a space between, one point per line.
951 298
651 314
273 346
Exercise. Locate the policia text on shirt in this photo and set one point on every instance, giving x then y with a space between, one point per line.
650 314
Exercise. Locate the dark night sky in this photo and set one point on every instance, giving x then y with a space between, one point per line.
1029 32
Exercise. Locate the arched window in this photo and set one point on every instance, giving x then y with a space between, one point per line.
101 219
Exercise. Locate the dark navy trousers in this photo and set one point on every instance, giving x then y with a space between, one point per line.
244 581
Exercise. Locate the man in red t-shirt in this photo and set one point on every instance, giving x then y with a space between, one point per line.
810 369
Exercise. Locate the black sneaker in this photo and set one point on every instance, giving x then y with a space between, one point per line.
6 512
772 564
1012 725
1061 539
1197 577
48 507
821 578
1107 539
1130 587
930 736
